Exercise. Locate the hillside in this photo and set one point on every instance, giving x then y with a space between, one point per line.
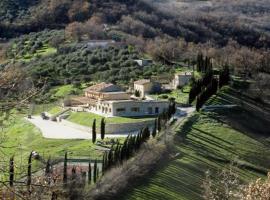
196 21
209 141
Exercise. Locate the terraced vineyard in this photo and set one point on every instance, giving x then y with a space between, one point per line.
209 141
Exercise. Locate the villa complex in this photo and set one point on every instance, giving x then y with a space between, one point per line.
109 100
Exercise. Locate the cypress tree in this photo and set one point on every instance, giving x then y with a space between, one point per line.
102 128
95 171
48 167
65 170
104 162
94 133
154 131
11 171
89 173
29 171
159 123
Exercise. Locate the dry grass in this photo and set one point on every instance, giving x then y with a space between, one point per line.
115 181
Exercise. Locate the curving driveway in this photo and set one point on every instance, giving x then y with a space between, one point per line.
56 130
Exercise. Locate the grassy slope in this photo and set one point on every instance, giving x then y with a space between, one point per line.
181 96
211 141
22 138
26 137
86 119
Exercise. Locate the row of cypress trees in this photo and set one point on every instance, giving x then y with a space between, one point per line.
204 64
206 93
102 130
119 153
224 76
198 85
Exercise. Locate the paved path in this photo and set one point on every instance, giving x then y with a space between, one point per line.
56 130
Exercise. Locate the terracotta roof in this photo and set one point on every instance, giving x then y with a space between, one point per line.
98 87
142 81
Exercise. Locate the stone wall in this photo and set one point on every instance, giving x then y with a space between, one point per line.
128 127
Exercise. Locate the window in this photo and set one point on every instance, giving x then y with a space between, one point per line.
150 110
157 110
120 110
135 109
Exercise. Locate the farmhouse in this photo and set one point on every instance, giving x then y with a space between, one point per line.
181 79
146 86
109 100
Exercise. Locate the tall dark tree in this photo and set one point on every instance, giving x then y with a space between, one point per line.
48 167
102 128
89 173
159 123
224 76
95 171
11 171
154 131
29 172
104 162
94 132
65 170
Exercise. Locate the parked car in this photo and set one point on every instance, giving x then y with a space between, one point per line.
44 116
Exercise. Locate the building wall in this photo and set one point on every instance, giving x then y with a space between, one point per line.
138 108
115 96
181 80
144 89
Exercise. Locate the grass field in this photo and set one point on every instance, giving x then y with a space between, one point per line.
55 110
21 137
180 96
209 141
63 91
86 119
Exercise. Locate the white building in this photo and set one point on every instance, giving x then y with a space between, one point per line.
143 62
108 100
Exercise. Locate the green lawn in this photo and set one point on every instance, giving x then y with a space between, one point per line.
180 96
86 119
209 141
21 137
65 90
55 110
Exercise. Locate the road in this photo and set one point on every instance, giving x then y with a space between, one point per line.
56 130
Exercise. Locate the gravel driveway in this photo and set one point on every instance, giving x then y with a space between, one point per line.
56 130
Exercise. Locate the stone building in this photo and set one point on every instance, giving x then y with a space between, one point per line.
181 79
108 100
146 86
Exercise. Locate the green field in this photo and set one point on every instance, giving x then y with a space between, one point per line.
55 110
209 141
86 119
63 91
21 137
180 96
